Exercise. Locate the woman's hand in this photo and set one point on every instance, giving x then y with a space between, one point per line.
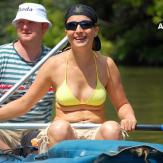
128 124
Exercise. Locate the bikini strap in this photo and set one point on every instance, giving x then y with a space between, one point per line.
66 68
95 57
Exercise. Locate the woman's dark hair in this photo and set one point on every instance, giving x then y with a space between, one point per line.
80 9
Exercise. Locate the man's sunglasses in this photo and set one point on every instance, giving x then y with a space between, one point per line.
85 24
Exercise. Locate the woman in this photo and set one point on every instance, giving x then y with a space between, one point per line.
82 79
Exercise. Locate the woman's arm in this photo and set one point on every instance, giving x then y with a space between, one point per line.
22 105
118 97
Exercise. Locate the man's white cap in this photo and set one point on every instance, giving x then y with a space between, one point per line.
33 12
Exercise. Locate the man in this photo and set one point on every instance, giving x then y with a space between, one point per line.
17 58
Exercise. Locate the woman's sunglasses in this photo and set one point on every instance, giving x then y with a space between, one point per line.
85 24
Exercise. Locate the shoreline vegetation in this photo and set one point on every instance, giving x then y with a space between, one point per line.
130 30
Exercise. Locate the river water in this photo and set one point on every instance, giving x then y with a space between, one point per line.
144 89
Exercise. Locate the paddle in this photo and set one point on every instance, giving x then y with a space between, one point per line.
21 81
143 127
149 127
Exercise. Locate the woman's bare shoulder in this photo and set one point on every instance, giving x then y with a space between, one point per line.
112 66
110 62
57 59
105 58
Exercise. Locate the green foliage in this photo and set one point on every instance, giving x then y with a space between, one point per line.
128 28
156 11
133 32
56 32
7 14
107 47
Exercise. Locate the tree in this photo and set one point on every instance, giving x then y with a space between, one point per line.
129 28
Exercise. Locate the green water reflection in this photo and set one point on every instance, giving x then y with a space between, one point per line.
144 89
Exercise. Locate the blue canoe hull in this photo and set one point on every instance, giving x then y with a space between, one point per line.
98 151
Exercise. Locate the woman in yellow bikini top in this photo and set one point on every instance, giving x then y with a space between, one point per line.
82 31
65 97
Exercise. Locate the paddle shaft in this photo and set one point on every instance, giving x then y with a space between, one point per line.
36 67
143 127
149 127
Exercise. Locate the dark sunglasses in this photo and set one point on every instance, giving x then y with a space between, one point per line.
85 24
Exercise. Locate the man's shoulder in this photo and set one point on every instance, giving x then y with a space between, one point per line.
45 48
48 49
7 45
5 49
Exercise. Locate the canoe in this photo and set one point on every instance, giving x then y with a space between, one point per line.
81 151
97 151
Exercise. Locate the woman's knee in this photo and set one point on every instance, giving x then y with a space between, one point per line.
110 130
59 130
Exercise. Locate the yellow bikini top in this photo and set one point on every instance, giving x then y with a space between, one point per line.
65 97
